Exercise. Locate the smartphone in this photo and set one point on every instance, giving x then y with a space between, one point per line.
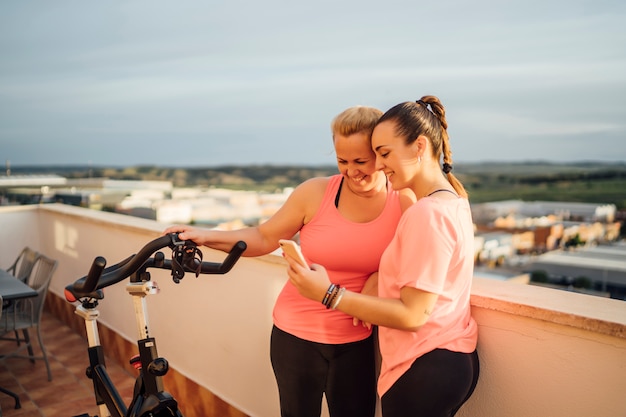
292 249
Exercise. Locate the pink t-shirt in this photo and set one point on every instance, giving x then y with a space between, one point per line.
433 250
350 252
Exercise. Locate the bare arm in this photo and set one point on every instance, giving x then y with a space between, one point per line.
263 239
409 312
223 239
371 285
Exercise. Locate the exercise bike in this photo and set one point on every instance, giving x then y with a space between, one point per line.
149 398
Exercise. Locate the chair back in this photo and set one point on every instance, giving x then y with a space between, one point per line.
26 313
24 263
39 280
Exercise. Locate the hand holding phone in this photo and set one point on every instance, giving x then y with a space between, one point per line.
292 249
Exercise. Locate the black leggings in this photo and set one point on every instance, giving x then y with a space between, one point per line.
437 385
305 370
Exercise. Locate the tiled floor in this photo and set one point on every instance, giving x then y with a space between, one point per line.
70 393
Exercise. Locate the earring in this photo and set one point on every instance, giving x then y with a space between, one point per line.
419 159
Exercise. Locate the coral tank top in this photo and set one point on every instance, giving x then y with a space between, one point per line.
350 252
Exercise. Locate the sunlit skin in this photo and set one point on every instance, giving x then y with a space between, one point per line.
362 199
407 167
399 162
357 163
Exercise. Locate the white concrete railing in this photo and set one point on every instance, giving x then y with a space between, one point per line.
543 352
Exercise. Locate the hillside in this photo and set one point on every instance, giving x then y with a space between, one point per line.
584 182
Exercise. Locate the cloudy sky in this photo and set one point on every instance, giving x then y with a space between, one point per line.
201 83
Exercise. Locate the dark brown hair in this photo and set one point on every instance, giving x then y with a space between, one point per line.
427 117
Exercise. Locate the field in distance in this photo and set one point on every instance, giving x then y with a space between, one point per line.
590 182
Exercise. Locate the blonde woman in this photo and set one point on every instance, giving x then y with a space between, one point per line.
344 222
427 334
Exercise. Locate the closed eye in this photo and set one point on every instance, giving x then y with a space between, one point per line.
358 162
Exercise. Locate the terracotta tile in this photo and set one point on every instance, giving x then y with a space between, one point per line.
28 407
71 408
70 393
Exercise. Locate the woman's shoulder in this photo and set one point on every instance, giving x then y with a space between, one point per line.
309 195
311 190
406 198
315 184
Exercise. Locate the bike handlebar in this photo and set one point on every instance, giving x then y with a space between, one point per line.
100 277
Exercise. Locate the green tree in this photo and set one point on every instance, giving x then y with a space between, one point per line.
582 282
574 241
539 276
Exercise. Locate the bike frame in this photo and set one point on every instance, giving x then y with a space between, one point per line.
149 393
149 397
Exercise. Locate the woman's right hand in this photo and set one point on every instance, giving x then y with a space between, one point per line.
311 282
186 232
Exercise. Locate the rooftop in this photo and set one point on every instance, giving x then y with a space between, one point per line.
214 330
71 393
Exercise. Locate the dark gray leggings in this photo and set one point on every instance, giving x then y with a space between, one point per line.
437 385
305 370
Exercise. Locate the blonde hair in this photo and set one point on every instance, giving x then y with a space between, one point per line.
356 119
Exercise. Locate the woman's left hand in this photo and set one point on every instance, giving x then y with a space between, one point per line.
311 283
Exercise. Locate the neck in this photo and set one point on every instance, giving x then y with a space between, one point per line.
423 186
379 186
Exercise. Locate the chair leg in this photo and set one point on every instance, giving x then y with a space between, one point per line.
45 355
15 397
29 345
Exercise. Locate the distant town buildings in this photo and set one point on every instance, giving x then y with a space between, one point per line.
556 243
563 244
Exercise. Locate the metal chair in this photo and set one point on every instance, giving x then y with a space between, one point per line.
21 268
4 390
26 313
23 264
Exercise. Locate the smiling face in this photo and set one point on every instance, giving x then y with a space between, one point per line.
394 157
356 161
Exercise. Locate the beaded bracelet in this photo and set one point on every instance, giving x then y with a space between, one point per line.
332 297
329 292
340 293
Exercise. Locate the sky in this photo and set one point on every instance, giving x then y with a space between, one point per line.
206 83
